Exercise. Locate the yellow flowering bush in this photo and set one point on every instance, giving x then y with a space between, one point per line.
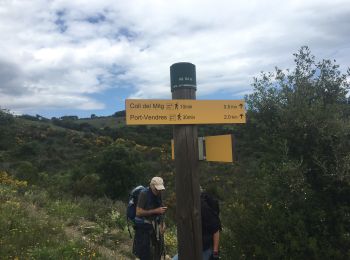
103 140
170 240
8 180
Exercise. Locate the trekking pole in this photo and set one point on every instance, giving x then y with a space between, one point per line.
159 238
154 238
129 229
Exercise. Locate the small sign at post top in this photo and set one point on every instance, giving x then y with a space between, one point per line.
183 75
184 112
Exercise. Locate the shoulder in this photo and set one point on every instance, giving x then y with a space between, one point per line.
210 202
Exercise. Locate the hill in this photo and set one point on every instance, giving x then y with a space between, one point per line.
103 122
54 179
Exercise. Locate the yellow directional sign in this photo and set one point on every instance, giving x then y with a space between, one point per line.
184 112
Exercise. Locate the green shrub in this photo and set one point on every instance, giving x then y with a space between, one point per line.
89 185
26 171
104 211
37 197
65 210
120 167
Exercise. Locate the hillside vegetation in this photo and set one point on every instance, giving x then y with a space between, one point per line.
64 181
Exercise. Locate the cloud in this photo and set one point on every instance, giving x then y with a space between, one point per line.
64 52
33 103
11 79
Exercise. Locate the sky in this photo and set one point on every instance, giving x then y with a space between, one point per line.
75 57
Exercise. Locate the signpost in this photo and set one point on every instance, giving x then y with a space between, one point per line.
185 112
188 210
180 111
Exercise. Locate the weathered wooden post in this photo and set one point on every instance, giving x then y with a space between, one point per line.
188 214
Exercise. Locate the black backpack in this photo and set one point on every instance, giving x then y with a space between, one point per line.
210 203
210 219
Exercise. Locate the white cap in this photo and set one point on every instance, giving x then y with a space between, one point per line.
158 183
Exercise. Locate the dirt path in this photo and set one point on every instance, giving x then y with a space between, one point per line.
122 245
121 252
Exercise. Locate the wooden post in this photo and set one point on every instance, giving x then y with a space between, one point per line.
188 214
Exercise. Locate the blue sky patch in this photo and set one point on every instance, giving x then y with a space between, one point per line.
96 19
130 35
60 22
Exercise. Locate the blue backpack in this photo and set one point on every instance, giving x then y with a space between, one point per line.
131 208
132 204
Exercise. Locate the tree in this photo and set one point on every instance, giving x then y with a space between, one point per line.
294 198
307 109
119 114
120 167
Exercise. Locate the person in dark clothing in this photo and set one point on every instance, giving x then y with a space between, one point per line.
148 222
211 227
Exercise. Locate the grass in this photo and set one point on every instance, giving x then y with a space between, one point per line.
34 226
29 233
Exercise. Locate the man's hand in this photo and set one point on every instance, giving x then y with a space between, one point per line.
160 210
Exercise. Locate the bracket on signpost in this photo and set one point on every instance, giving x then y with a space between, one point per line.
201 148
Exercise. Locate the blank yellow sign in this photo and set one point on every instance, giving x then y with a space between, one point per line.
219 148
